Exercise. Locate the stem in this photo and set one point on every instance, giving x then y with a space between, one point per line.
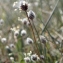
50 17
36 31
40 45
33 35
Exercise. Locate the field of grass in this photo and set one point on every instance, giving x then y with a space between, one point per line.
31 31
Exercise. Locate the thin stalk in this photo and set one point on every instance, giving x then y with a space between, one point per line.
45 53
36 31
37 36
49 33
33 35
50 17
53 39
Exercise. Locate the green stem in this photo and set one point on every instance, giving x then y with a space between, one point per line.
50 17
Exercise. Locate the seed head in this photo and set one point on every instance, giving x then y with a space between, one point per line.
34 57
42 57
31 15
25 21
12 58
29 41
16 33
8 49
3 40
23 33
11 45
24 5
27 59
1 21
43 39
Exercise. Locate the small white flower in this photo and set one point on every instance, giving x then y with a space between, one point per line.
27 59
7 47
16 33
11 58
29 54
12 45
34 57
10 54
24 21
29 41
15 3
23 5
3 40
42 57
23 33
57 42
1 21
43 39
31 15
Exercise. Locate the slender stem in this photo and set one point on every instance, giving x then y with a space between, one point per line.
33 35
50 17
48 32
37 36
53 39
36 31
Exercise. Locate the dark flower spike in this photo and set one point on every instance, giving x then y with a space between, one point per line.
24 5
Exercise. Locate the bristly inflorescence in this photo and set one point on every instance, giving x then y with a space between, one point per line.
24 5
31 15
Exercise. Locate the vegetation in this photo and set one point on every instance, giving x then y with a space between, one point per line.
31 31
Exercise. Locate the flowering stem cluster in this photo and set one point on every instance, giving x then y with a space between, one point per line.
33 35
37 43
